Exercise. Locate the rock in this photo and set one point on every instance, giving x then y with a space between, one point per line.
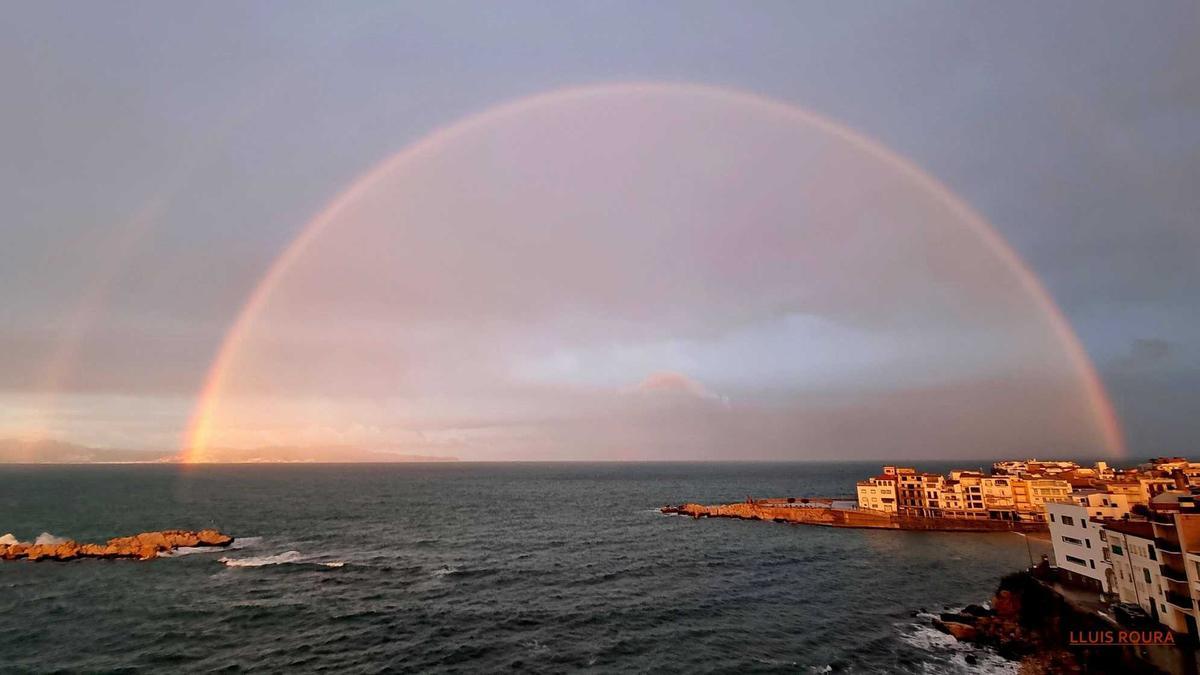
961 631
16 551
1006 604
155 540
214 538
68 550
144 546
37 552
955 617
976 610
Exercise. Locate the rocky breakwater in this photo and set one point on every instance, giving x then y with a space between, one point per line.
144 546
802 511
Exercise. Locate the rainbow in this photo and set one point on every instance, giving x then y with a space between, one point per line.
197 437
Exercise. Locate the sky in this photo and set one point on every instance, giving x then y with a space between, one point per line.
653 273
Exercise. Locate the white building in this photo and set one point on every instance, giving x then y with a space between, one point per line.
1136 566
1078 547
1103 504
878 493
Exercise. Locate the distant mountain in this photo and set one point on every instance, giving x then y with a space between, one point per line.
50 451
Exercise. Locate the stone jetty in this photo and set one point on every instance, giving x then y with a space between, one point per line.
144 546
839 513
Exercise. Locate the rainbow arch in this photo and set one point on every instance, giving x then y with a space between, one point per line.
197 437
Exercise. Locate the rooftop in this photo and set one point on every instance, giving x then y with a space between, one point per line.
1136 528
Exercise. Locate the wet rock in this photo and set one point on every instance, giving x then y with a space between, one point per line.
961 631
955 617
1006 604
144 546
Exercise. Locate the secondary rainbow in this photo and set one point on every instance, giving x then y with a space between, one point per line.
199 433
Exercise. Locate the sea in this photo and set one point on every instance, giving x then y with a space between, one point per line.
481 568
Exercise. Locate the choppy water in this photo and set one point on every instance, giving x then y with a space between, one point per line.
479 568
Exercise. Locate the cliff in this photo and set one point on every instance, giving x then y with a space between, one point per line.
144 546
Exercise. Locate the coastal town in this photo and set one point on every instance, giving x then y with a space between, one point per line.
1125 540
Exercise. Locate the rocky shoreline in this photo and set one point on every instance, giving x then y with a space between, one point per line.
144 546
1029 622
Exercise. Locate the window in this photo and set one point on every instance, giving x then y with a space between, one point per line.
1146 574
1052 518
1077 561
1150 550
1089 543
1083 523
1072 540
1092 563
1117 550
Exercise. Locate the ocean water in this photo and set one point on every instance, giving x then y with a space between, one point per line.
480 568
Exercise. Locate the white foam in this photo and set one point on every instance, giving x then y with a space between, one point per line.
285 558
953 654
9 540
262 561
239 543
47 539
445 570
243 542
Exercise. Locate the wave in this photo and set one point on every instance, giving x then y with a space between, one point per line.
47 539
285 558
9 540
951 655
239 543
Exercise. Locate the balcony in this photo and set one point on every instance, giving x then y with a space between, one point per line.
1181 601
1168 546
1173 574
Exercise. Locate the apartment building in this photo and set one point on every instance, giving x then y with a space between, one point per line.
1136 575
920 494
998 497
1176 523
1079 550
962 496
1103 504
879 493
1032 466
1150 487
1031 495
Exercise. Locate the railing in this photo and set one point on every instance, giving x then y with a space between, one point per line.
1180 601
1173 574
1167 545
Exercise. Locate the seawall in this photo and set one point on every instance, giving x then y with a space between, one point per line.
828 516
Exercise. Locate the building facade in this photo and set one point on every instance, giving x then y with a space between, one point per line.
1078 547
1136 566
878 493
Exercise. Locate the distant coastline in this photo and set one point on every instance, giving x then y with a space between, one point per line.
48 452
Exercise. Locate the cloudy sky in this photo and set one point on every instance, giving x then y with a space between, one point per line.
648 272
